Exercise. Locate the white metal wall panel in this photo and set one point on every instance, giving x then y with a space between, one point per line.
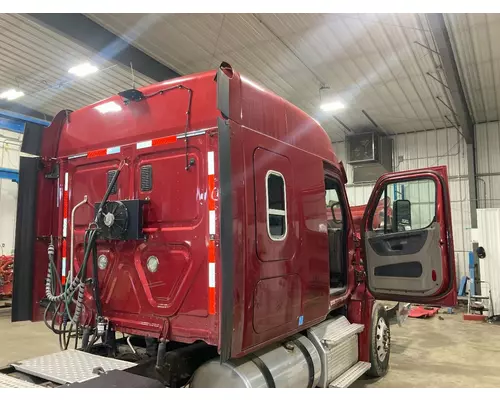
488 222
427 149
10 144
488 164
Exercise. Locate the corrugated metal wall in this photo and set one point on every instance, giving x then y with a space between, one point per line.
427 149
488 164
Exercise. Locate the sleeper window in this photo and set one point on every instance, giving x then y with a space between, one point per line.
276 205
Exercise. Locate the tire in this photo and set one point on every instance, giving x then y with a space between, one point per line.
380 342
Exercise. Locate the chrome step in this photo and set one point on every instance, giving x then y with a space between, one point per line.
337 343
351 375
7 381
342 334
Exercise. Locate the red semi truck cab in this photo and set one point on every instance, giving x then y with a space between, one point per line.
192 213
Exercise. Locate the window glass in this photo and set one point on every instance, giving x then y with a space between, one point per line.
276 205
405 206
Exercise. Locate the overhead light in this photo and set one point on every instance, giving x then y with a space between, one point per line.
83 70
110 106
333 106
11 94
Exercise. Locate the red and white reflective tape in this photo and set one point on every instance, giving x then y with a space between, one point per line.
65 227
211 233
98 153
139 145
156 142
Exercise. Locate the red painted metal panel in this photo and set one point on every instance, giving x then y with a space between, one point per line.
181 300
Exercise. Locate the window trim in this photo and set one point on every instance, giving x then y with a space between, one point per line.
273 211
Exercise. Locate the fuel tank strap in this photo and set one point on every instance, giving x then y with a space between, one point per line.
264 369
309 361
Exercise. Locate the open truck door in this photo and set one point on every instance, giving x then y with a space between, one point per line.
410 257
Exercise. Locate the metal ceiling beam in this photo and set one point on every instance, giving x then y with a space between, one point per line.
20 109
450 69
109 46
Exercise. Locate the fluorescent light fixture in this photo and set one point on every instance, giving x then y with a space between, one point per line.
11 94
333 106
110 106
83 70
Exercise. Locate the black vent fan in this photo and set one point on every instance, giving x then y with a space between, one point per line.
113 222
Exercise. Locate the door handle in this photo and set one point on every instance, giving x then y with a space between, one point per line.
396 247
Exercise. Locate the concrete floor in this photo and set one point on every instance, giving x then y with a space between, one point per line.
425 353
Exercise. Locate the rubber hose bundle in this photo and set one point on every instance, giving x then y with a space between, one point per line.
48 282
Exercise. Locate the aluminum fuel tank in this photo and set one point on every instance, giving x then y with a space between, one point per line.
292 364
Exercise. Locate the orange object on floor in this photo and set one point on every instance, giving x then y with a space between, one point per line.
474 317
423 312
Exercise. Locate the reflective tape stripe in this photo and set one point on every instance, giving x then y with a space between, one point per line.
211 231
64 248
211 275
211 192
164 140
211 300
65 204
96 153
104 152
211 222
211 251
211 166
113 150
64 244
144 145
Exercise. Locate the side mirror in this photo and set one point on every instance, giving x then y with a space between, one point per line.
401 217
481 253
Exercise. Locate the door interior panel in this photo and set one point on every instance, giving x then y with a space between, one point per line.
399 244
398 258
412 269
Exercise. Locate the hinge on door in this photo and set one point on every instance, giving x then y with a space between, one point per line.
360 276
54 173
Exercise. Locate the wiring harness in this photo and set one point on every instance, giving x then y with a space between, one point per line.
67 306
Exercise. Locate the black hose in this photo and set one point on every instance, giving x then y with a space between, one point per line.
95 282
108 192
77 285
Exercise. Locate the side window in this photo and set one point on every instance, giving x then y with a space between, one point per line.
276 205
406 206
332 200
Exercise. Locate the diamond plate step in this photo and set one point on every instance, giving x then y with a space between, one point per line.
7 381
351 375
69 366
342 334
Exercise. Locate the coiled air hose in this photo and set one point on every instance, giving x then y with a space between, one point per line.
78 284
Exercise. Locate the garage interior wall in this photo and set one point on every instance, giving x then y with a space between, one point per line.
427 149
10 145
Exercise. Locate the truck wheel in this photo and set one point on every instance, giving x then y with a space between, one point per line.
380 342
